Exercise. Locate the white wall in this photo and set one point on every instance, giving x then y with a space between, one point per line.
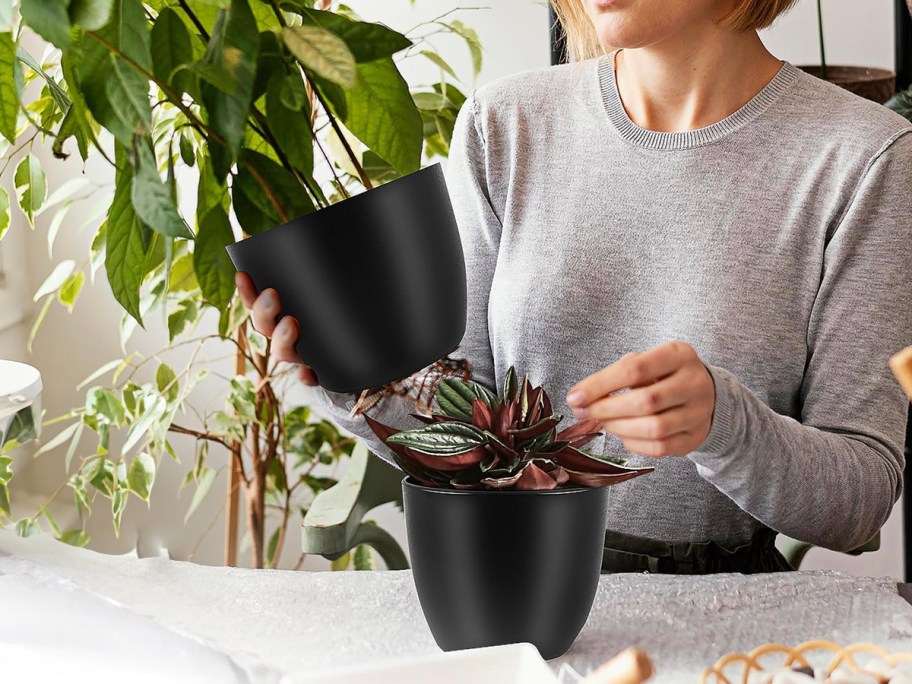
515 36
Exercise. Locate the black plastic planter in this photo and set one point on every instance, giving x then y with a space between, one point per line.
499 567
376 281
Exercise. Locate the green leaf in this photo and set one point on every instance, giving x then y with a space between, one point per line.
440 61
321 52
157 406
203 485
255 210
6 473
510 384
57 93
442 439
342 562
4 212
115 92
213 267
4 501
74 537
49 19
63 436
186 151
272 546
31 186
382 114
213 74
367 41
179 319
166 381
454 402
125 253
234 46
9 88
70 290
901 103
104 403
141 475
90 15
292 125
364 558
152 200
171 48
118 504
472 41
56 279
27 527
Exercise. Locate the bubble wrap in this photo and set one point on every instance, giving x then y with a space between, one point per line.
296 622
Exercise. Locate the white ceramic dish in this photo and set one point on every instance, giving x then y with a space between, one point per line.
509 664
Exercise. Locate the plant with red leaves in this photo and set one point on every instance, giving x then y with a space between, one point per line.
480 441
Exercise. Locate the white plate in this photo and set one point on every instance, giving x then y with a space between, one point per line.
510 664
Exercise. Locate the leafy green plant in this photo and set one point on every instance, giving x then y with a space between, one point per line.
274 109
481 441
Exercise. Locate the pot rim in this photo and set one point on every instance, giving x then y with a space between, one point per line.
349 202
407 481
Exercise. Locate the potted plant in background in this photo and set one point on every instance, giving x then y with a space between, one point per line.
868 82
505 515
250 102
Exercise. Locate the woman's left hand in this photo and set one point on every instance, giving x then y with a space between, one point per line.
669 408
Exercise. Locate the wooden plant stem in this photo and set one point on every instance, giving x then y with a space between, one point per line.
234 472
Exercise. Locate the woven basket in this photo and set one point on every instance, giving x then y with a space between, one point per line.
738 667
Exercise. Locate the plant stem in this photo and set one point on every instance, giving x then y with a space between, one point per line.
181 430
332 120
823 64
194 19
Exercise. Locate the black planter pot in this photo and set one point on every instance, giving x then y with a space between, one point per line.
499 567
377 281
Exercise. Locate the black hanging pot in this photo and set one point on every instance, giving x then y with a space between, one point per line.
376 281
497 567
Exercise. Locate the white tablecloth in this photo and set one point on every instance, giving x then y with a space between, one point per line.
197 623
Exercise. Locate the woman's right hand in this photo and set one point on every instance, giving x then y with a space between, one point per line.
264 308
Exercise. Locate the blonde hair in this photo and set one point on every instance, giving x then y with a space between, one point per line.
583 41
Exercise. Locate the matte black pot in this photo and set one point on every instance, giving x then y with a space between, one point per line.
500 567
376 281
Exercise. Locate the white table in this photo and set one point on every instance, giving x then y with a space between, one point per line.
228 624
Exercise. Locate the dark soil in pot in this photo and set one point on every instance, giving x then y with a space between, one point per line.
377 281
496 567
870 83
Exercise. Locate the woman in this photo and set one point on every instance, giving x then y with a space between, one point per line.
707 248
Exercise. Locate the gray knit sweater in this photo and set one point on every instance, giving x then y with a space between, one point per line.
777 242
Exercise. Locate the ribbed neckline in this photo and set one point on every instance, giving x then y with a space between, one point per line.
680 140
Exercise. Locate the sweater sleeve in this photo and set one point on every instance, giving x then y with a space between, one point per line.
832 478
479 231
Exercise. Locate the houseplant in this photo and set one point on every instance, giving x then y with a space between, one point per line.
868 82
200 88
505 515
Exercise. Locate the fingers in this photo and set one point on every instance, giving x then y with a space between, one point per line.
307 375
631 370
264 312
284 338
677 445
265 308
657 426
675 390
246 289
